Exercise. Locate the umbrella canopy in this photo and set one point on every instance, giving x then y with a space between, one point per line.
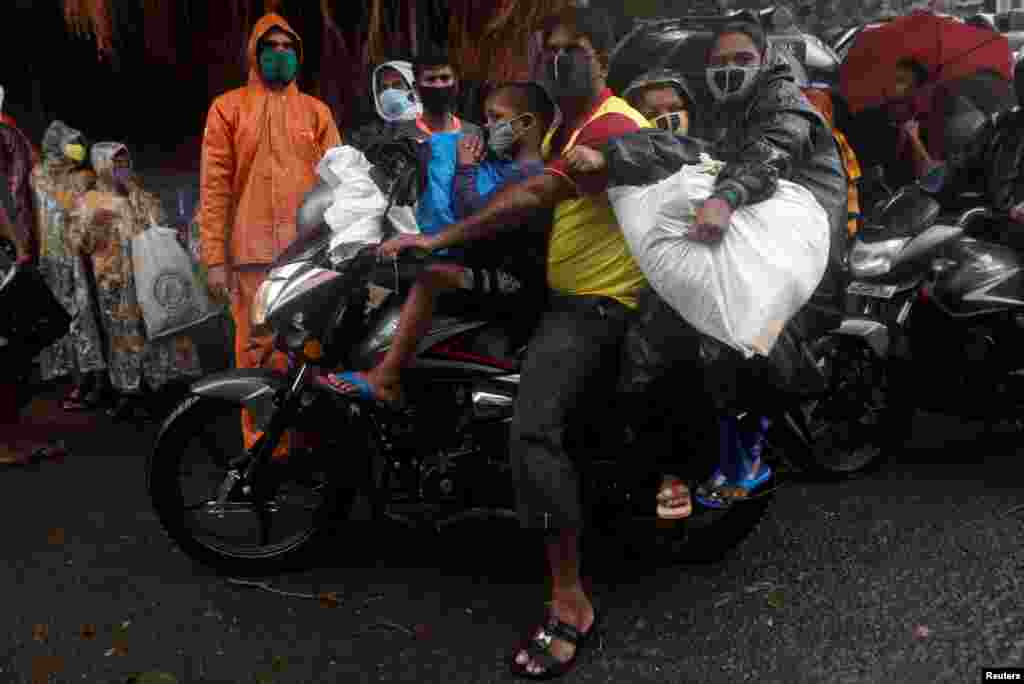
949 49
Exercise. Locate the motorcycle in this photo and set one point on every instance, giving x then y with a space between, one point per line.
441 460
959 296
846 423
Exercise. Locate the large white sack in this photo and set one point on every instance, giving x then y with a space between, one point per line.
358 204
743 290
340 162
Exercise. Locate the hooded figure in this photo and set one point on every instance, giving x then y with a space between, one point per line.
394 97
392 86
58 181
103 223
260 151
394 93
665 98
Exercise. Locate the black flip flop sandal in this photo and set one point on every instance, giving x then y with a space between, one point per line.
538 648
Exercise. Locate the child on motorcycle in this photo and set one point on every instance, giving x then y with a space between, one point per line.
518 117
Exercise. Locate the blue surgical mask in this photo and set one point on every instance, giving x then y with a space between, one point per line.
502 137
396 103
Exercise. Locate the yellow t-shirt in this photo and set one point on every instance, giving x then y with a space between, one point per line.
587 254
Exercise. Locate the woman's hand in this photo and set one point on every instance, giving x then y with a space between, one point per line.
711 222
583 159
392 247
1017 213
471 150
912 129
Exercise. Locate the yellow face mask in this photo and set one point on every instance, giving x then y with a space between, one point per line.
75 152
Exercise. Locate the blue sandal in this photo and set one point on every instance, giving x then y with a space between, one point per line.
339 383
719 492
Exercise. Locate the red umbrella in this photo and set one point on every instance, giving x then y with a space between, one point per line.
948 48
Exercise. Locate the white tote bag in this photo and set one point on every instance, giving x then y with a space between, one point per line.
169 291
743 290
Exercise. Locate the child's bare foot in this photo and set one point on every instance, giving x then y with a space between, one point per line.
368 385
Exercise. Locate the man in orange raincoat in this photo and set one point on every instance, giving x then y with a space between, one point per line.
260 150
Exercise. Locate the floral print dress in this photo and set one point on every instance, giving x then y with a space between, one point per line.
131 357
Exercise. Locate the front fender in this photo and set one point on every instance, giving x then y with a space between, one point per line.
253 388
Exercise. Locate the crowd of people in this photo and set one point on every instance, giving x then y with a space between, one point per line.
72 216
517 204
544 176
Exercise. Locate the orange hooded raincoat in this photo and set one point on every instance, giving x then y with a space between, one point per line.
260 151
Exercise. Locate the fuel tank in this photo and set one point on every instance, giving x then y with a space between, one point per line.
983 277
454 343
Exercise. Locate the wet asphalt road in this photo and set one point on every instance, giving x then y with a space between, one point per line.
909 576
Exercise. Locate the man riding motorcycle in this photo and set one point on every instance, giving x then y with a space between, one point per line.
984 154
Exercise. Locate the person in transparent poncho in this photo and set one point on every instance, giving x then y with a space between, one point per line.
103 223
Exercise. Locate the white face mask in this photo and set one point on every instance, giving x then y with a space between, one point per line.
675 122
731 82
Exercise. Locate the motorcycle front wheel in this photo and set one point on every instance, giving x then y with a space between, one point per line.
857 424
191 466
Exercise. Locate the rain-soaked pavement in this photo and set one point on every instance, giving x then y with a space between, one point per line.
909 576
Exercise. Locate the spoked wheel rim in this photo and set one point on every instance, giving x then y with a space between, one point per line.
237 528
846 426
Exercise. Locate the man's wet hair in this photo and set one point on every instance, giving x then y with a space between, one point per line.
528 97
982 22
592 23
434 59
746 24
919 71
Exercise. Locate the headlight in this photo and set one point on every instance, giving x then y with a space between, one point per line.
265 296
874 259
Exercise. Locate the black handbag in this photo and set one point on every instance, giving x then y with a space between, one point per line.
31 318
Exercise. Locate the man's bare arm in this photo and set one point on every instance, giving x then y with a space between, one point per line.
512 207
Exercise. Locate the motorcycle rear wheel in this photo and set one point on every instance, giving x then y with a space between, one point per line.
211 422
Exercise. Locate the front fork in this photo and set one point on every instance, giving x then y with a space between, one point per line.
287 404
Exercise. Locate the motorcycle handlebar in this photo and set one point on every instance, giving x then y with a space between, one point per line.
406 266
981 212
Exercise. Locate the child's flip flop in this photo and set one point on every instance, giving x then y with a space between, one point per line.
718 492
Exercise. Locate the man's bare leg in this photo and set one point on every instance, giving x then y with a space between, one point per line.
570 603
385 379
